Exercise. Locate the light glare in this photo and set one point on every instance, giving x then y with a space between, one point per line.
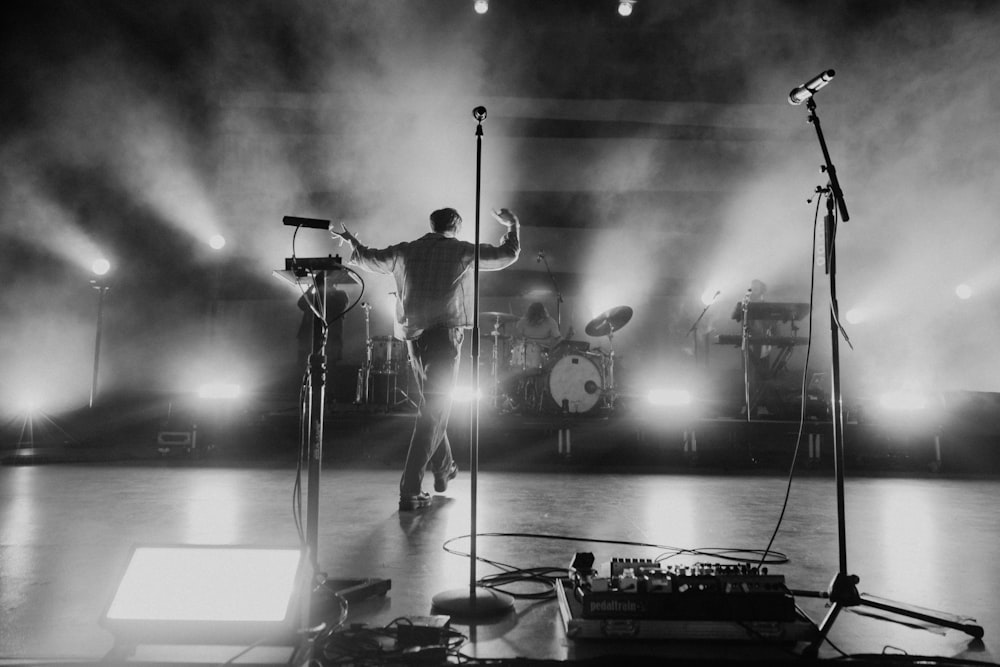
100 266
217 242
903 401
481 6
219 390
669 397
625 8
963 291
465 394
709 296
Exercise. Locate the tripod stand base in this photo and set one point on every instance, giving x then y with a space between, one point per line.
844 595
477 603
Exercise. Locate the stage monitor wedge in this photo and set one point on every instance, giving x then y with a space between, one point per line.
207 594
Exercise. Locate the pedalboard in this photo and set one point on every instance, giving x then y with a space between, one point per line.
630 588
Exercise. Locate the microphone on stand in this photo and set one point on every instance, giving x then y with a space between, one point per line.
479 113
802 93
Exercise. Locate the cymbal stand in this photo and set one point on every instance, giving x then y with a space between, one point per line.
843 590
495 362
610 393
364 373
555 286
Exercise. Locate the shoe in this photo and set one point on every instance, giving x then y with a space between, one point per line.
441 480
410 503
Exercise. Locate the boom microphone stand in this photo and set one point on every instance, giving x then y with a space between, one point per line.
843 590
694 330
476 601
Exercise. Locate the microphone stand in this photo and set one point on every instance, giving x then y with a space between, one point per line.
843 591
555 286
694 330
474 602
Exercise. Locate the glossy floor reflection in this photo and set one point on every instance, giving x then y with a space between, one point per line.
66 530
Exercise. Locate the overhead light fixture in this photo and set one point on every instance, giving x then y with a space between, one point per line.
625 7
481 6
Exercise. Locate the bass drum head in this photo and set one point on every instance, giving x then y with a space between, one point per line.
575 383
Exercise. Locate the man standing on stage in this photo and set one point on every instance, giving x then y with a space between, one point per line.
434 305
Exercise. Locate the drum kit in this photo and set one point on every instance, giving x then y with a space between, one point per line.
383 378
526 377
568 378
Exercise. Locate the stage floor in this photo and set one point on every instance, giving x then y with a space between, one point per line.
66 530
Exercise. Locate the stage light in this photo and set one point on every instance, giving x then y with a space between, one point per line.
100 266
625 7
963 291
709 296
669 397
481 6
199 594
217 242
855 316
220 390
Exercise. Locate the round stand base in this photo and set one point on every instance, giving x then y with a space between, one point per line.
461 603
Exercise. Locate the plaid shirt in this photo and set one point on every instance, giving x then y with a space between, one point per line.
434 281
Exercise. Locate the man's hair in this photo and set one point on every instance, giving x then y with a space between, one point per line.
445 220
537 313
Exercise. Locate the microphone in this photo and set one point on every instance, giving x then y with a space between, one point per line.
479 113
802 93
541 255
312 223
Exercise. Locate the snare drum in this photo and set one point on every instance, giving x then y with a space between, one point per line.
526 354
575 384
388 355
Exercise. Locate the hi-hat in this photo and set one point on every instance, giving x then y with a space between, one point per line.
500 317
609 321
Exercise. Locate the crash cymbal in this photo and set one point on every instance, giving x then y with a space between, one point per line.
499 317
609 321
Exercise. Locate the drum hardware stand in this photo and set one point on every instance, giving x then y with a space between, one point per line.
843 590
610 392
495 362
555 286
364 373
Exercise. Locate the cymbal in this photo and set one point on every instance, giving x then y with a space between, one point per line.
609 321
500 317
494 334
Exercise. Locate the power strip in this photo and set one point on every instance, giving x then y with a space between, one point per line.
422 631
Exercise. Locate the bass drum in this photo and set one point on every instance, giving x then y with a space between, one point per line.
575 384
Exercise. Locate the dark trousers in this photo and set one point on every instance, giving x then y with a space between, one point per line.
434 358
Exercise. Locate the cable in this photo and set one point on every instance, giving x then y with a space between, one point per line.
546 575
803 385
